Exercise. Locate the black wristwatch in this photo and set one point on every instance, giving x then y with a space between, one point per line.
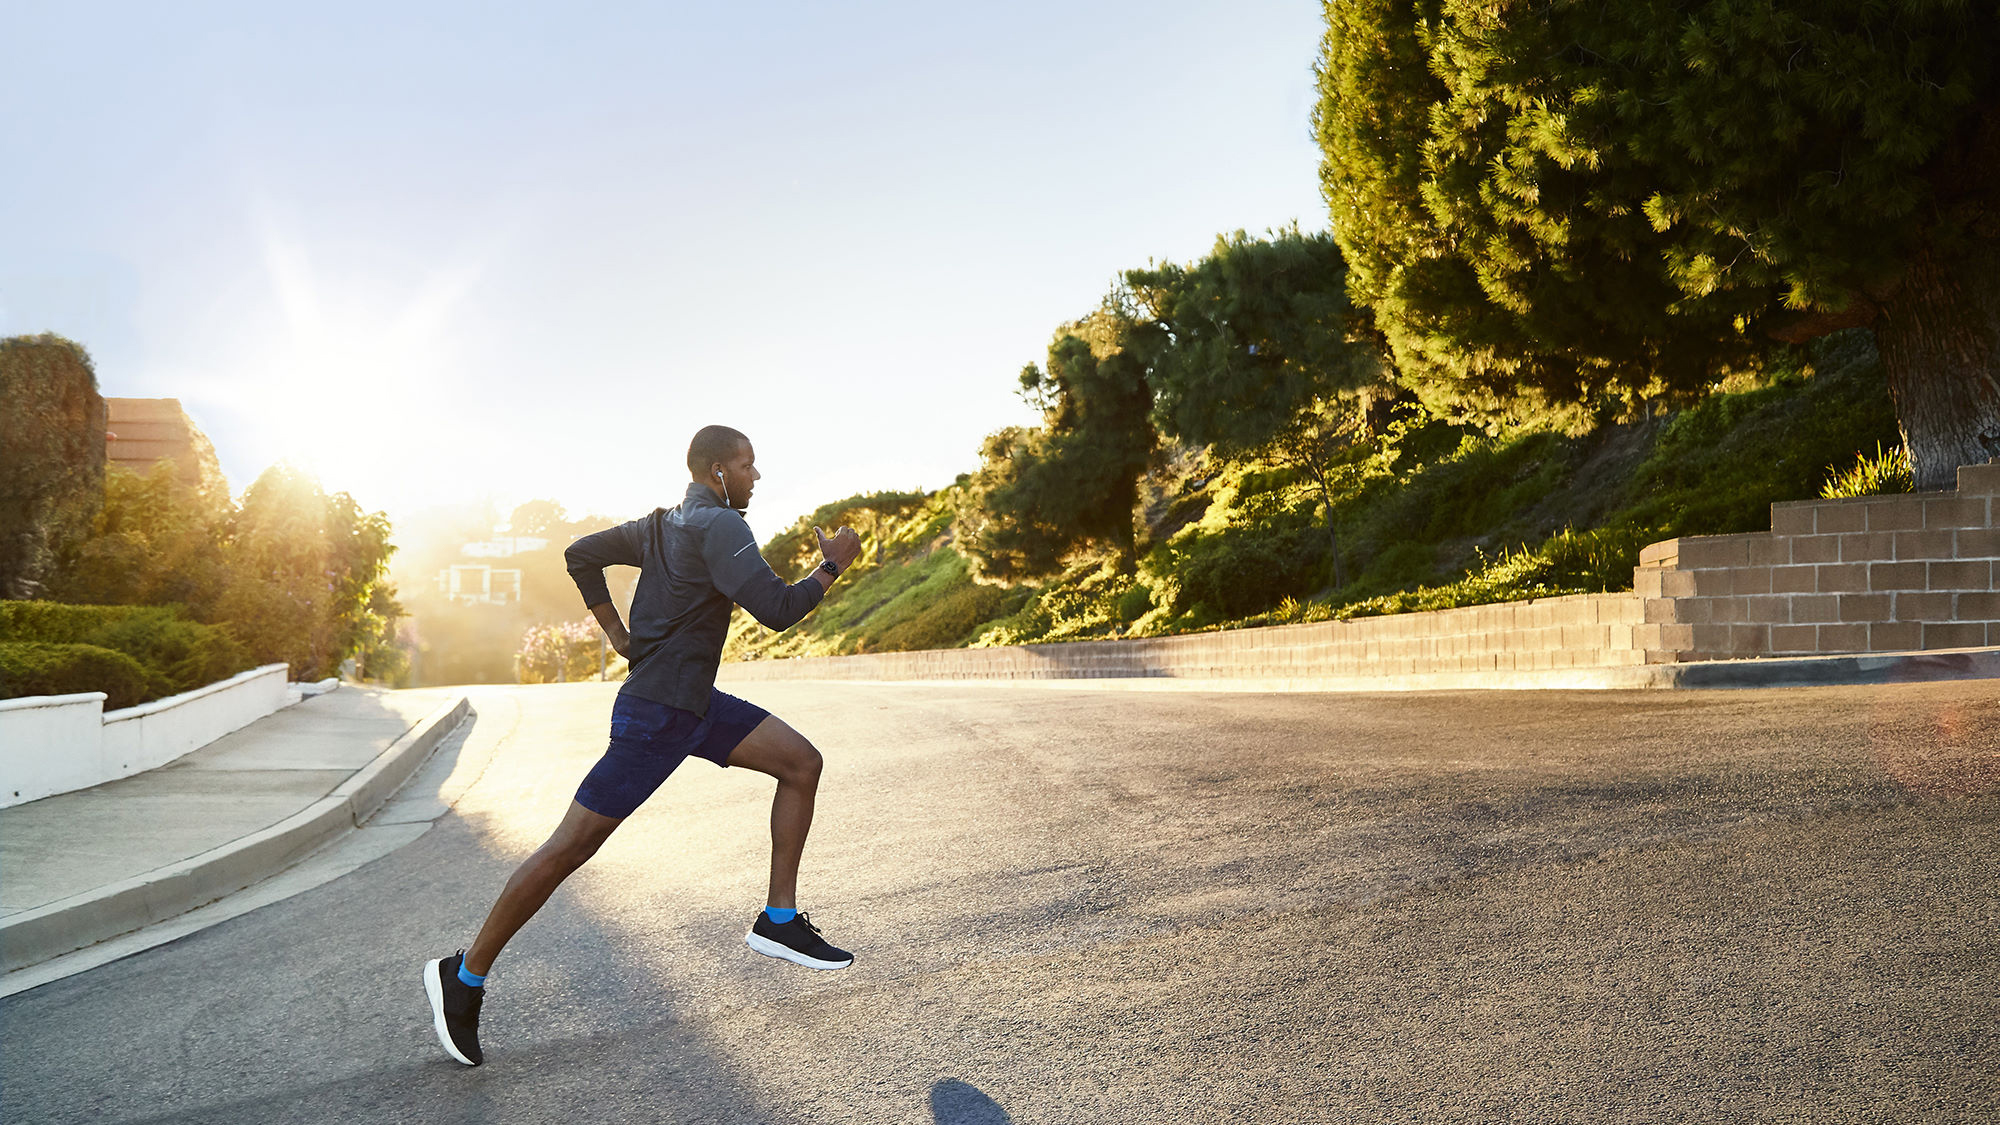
832 571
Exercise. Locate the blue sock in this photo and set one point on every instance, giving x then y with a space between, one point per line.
780 914
468 979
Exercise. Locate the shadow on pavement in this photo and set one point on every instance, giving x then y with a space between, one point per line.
961 1103
311 1009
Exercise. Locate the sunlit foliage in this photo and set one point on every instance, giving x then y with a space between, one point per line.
296 574
1044 492
1547 200
561 653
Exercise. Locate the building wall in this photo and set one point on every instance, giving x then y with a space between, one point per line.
146 431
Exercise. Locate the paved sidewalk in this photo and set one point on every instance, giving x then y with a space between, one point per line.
80 867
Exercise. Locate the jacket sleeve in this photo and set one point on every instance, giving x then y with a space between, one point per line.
588 556
740 572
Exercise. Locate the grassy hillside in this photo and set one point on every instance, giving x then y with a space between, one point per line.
1428 514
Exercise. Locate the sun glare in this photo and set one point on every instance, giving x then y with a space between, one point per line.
354 387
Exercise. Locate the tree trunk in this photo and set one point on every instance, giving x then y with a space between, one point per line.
1332 536
1940 341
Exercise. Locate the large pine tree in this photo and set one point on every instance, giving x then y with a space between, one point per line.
1563 197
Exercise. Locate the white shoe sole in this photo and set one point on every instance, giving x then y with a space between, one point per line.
783 952
434 988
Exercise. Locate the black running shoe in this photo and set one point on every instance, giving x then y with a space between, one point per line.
454 1009
797 941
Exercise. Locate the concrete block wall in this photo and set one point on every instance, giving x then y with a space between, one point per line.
1903 573
1582 631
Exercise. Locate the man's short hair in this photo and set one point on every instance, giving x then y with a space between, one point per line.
712 444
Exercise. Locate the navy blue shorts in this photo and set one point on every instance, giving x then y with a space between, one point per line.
649 739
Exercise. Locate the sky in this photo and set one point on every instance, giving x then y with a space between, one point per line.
444 253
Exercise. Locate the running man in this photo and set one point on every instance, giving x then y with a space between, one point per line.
694 561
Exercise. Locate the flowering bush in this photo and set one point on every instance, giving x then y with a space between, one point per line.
560 653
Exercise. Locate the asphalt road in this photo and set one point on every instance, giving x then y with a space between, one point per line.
1074 906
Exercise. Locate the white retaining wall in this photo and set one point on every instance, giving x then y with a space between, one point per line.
57 743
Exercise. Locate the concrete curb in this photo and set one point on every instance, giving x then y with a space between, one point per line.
1870 668
33 936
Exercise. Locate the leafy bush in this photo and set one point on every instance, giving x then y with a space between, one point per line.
173 653
561 653
1599 560
57 623
950 620
39 668
1237 571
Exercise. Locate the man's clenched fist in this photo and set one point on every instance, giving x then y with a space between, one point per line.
842 549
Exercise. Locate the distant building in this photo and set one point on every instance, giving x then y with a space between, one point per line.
503 546
480 584
146 431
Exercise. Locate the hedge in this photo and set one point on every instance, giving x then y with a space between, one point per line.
172 653
40 668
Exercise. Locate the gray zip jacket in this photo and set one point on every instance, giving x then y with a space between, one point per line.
694 561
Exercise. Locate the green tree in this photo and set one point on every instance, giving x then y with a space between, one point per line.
1043 492
305 567
537 517
156 541
1563 199
51 456
1260 353
379 653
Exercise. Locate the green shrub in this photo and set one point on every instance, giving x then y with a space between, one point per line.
1237 571
175 654
1087 600
950 620
57 623
1596 561
39 668
1133 603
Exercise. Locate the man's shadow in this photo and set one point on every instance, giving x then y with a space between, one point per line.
960 1103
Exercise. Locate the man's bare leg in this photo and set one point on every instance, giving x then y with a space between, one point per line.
575 840
775 748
